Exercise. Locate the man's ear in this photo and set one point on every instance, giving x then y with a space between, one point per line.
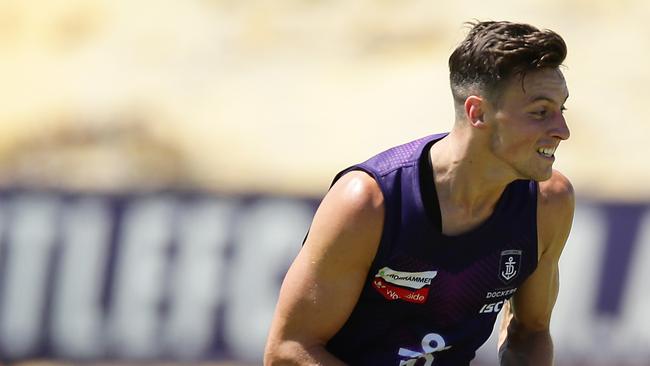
475 111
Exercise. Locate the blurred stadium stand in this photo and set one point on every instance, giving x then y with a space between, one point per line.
160 162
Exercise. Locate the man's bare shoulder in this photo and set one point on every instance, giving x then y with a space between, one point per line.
556 204
556 191
349 220
325 280
356 192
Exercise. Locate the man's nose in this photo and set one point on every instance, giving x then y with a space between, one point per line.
561 129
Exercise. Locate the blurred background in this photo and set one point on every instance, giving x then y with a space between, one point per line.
160 162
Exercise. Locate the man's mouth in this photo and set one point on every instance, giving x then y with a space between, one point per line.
546 151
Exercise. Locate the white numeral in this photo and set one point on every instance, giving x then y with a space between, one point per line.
427 350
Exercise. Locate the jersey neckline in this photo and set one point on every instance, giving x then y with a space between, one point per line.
426 197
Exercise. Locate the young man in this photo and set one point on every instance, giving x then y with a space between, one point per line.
413 253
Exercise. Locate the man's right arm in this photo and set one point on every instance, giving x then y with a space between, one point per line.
325 280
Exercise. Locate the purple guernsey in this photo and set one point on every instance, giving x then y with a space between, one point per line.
432 299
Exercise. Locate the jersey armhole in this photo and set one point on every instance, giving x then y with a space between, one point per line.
428 188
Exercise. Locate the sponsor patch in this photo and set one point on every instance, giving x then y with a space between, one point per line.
407 286
415 280
391 292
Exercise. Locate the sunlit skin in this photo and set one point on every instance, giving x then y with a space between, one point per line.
490 145
496 142
529 117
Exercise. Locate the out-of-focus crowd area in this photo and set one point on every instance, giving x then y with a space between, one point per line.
276 96
160 162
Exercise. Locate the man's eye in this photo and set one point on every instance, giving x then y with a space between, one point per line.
540 113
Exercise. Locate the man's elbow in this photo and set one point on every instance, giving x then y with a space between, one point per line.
279 353
526 333
287 352
537 351
530 330
527 345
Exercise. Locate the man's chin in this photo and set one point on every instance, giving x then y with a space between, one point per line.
538 175
543 177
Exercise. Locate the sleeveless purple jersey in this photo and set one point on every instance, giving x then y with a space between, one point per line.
432 299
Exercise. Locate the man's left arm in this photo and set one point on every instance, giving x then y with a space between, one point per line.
524 337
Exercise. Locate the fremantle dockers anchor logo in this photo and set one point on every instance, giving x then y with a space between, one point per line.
509 265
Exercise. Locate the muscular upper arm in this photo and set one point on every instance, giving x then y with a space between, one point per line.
533 302
325 280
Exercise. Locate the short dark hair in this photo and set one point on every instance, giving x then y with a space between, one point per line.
493 52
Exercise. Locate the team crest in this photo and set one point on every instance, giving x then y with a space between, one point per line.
509 265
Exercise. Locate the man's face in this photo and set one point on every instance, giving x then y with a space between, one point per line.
528 123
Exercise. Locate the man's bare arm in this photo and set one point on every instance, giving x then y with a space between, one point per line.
326 278
524 337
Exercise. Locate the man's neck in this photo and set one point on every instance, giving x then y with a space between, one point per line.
466 174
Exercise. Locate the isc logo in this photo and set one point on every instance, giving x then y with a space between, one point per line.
494 307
